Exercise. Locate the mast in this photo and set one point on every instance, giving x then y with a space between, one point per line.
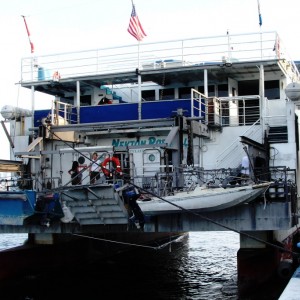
33 66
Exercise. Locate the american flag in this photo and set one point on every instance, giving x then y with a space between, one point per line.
135 28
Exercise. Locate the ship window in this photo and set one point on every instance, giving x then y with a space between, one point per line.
248 87
184 93
222 90
272 89
85 100
68 100
148 95
251 87
166 94
211 90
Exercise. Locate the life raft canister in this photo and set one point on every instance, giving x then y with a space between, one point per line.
116 164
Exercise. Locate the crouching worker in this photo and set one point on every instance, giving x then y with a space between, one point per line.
76 176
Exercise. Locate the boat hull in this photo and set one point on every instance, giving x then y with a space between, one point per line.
203 199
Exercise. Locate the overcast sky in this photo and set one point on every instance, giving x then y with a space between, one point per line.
69 25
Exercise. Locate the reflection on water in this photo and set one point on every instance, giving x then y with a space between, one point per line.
203 266
12 240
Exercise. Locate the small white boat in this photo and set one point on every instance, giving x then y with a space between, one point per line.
203 199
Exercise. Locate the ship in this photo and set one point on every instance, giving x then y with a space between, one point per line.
170 123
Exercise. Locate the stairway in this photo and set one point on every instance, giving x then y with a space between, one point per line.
278 134
94 205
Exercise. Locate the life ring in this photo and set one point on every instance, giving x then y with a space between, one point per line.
116 163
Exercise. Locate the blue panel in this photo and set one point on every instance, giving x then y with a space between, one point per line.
31 196
14 209
124 111
165 109
39 115
199 108
109 113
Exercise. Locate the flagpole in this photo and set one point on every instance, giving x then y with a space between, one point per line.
33 64
139 85
261 70
136 30
139 76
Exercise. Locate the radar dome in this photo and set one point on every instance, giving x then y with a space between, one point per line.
292 91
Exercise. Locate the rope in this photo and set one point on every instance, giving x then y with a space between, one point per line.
221 225
130 244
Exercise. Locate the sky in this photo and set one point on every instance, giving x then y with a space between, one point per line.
72 25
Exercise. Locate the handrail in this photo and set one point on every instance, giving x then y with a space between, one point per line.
62 116
233 154
195 51
199 105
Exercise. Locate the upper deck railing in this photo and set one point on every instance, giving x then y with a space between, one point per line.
195 51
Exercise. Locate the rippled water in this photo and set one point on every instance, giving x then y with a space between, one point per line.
11 240
203 266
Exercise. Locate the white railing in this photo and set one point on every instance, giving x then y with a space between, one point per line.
62 113
196 51
199 105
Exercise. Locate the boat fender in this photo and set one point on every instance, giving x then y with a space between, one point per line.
285 269
68 216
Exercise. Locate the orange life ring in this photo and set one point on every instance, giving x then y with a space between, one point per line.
116 164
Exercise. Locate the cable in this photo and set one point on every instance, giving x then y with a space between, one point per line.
176 238
194 213
219 224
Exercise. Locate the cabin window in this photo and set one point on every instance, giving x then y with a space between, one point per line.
85 100
148 95
211 90
272 89
251 87
185 93
67 100
222 90
248 87
166 94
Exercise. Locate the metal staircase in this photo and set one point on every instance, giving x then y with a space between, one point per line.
231 156
278 134
96 205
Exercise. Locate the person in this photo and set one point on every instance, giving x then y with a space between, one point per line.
75 173
245 171
105 100
94 169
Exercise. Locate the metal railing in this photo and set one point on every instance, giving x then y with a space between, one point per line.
225 111
195 51
63 113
